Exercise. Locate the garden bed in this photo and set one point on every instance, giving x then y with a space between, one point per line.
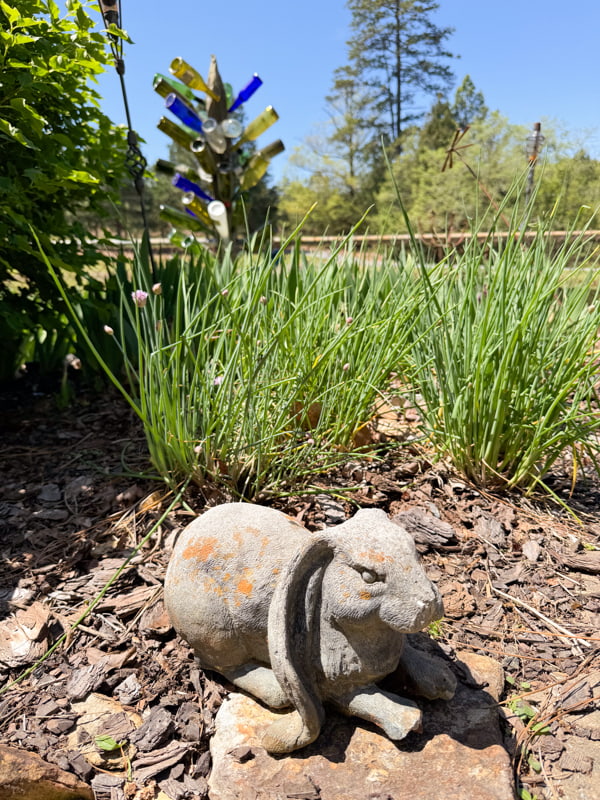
519 580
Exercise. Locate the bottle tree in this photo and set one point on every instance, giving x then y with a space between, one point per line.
204 121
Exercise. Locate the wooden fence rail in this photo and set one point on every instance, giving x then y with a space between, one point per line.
434 244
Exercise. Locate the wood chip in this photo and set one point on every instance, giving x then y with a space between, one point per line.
154 730
145 767
588 561
23 637
427 530
572 761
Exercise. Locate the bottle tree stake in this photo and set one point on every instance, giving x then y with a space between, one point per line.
202 121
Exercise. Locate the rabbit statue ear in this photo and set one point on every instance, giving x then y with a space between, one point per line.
293 630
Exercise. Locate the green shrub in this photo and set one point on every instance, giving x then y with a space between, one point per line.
60 158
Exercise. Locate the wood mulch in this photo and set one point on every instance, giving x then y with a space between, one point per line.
122 705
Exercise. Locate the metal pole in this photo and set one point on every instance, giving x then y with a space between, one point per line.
534 142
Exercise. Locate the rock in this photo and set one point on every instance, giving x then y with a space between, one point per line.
458 754
26 776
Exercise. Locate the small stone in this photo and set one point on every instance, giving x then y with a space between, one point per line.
241 754
531 550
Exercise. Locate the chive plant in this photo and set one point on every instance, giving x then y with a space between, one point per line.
504 354
258 372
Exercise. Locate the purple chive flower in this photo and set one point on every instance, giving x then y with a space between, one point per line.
218 380
139 297
157 289
108 330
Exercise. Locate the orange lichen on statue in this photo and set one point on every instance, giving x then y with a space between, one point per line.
201 550
244 586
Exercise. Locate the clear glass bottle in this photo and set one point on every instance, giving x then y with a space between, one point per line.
218 213
214 135
231 128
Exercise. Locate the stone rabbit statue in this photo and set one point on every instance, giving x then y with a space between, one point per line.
298 618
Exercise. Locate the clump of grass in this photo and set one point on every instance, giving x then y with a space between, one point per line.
253 373
505 355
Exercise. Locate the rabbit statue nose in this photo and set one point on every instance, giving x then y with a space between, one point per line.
428 610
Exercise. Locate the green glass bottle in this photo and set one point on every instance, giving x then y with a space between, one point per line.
204 155
258 125
259 164
271 150
186 73
182 136
177 238
180 219
164 85
197 207
168 168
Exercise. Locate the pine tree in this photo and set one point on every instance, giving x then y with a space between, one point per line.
469 104
398 53
439 126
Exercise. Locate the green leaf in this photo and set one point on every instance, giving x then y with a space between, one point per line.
540 728
534 764
16 134
54 10
105 742
120 34
21 38
12 14
81 177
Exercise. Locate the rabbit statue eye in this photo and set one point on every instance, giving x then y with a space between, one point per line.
368 576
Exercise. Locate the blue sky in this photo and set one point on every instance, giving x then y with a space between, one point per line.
531 59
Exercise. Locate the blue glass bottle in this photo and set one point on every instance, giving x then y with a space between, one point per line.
183 112
186 185
245 93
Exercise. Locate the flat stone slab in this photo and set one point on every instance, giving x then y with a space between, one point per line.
26 776
459 753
